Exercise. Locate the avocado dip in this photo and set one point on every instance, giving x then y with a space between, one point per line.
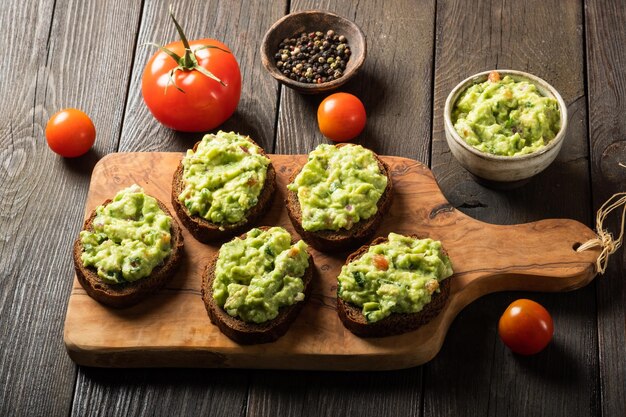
506 117
223 177
338 187
397 276
130 237
256 276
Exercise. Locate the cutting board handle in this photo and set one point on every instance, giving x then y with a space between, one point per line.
537 256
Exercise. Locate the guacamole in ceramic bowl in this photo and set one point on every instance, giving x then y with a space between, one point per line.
505 125
502 116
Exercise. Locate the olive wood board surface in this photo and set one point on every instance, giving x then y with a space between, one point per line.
172 328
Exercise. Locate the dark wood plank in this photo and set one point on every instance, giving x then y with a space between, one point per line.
74 56
241 26
394 83
606 80
395 86
485 378
160 392
332 394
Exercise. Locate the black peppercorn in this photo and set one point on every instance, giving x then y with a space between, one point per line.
313 57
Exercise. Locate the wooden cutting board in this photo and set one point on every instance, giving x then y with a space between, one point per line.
172 329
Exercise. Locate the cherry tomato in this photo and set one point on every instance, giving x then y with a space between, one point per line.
380 262
526 327
70 133
341 117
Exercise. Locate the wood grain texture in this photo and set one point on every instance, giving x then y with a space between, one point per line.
57 55
172 329
331 394
606 75
160 392
545 39
240 25
394 83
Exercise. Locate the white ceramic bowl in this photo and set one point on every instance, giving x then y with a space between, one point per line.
505 169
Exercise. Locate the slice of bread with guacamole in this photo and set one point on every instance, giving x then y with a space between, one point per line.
339 197
393 285
129 247
222 185
255 286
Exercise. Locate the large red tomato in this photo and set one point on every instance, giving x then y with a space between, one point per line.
194 89
526 327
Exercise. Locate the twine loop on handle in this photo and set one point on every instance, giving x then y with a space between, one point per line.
604 238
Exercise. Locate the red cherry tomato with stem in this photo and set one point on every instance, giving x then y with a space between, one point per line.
341 117
70 133
526 327
192 86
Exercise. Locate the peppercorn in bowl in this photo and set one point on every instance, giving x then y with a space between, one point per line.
313 51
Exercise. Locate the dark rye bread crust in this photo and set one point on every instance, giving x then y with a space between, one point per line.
205 231
252 333
396 323
342 239
127 294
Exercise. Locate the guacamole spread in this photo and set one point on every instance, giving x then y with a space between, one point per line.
223 177
338 187
397 276
256 276
130 237
506 117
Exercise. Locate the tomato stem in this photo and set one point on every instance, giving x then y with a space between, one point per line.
189 61
172 54
208 73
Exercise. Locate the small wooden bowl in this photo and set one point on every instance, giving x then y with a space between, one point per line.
313 21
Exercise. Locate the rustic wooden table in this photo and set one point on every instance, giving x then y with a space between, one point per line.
90 54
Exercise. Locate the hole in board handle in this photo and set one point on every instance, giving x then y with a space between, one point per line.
576 245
